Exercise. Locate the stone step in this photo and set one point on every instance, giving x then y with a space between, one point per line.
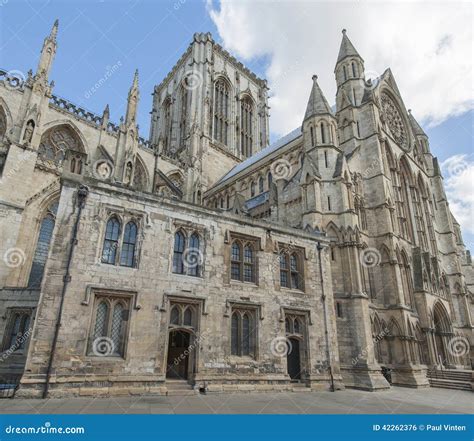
181 393
461 376
179 387
450 384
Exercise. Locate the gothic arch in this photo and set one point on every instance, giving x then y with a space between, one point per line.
441 320
442 332
397 353
140 176
44 224
385 254
177 178
70 124
8 121
406 171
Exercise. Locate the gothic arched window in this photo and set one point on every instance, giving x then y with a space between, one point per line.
110 325
249 264
127 255
58 143
188 316
42 246
187 254
167 126
174 315
243 333
246 127
252 189
179 246
344 69
111 241
291 275
405 220
140 181
311 130
221 112
354 70
323 133
260 184
406 281
194 255
19 329
284 270
269 180
236 261
183 115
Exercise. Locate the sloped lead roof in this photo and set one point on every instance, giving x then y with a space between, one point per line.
261 154
317 103
414 125
347 49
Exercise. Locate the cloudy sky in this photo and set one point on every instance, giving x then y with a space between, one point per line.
428 46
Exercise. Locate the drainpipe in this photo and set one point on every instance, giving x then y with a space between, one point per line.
319 247
82 193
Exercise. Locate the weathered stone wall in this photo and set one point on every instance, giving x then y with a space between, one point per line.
153 285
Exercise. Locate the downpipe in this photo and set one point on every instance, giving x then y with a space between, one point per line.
319 247
82 193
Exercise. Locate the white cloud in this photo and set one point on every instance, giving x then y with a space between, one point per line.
458 172
427 45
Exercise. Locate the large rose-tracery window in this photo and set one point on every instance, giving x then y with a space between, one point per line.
60 143
394 120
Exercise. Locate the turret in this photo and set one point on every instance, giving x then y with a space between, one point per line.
349 72
319 124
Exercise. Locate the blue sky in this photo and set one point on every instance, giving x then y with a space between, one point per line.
110 39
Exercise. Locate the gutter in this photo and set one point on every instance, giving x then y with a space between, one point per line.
319 247
82 193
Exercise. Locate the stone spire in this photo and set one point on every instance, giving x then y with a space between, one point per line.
132 102
347 49
48 52
317 103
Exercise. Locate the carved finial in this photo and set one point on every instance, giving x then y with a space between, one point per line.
344 31
54 30
135 78
314 77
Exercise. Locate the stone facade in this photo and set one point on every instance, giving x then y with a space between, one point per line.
204 254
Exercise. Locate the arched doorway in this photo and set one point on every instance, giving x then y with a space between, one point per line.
442 331
293 359
179 354
296 355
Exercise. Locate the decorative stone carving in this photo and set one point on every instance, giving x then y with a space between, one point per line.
394 121
29 129
127 178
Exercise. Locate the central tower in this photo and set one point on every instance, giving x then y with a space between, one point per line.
209 113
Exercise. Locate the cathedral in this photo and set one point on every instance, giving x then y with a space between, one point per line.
204 258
